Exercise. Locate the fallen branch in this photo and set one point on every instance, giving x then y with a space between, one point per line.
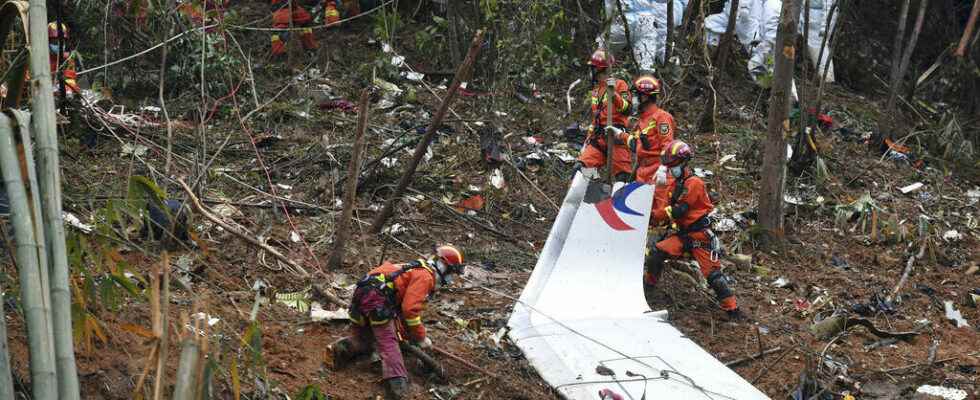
908 270
430 133
462 361
244 235
426 359
744 360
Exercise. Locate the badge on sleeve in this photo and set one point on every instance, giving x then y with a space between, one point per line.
664 129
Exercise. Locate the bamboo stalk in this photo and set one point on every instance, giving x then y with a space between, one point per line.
461 74
29 172
350 189
6 379
163 326
187 370
43 377
46 132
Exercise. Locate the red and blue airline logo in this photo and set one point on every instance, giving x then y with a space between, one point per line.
608 208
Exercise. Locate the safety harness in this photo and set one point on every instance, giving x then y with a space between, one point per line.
385 285
713 244
598 127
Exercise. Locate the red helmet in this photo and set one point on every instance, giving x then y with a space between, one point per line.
53 30
601 59
647 84
676 153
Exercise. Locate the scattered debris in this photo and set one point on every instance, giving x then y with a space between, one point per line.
952 236
318 314
833 325
839 262
911 188
71 220
138 150
782 282
298 300
212 321
943 392
954 315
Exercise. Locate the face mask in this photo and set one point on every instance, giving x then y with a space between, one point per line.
677 171
54 48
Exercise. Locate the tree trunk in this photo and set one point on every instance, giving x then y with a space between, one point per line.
719 59
895 77
831 38
971 24
350 189
724 46
802 152
461 74
774 159
626 32
910 48
689 14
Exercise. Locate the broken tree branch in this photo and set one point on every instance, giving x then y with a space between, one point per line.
461 74
462 361
350 191
426 359
244 235
908 270
626 31
970 26
761 354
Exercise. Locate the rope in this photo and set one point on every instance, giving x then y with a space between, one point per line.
124 59
324 26
663 372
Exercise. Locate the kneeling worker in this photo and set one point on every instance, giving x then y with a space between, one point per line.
686 210
389 301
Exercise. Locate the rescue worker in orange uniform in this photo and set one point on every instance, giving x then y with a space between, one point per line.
654 129
299 17
594 153
686 210
388 304
66 58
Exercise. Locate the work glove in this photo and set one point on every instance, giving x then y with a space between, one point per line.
611 82
619 135
576 168
631 142
660 177
424 344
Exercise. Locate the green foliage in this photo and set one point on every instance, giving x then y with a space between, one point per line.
311 392
385 24
432 39
533 39
252 342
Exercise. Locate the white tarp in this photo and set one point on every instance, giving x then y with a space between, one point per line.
756 27
647 21
583 307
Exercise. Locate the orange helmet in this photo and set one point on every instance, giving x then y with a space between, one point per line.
449 255
53 30
647 84
676 153
601 59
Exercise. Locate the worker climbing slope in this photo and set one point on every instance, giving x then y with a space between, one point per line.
685 211
594 153
387 305
654 129
291 14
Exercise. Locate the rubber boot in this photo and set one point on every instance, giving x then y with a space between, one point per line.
396 388
653 268
343 353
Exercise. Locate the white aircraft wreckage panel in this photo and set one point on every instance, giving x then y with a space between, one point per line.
583 321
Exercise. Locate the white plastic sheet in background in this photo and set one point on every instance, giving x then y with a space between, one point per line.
757 24
647 21
584 307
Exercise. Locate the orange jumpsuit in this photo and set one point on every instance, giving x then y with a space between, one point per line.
378 314
67 69
281 18
692 235
654 130
594 153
